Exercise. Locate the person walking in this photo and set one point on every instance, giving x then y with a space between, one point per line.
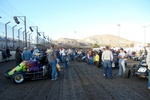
100 56
121 62
148 63
107 59
51 54
90 57
8 53
18 57
4 54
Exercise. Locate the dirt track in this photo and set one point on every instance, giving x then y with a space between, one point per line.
79 82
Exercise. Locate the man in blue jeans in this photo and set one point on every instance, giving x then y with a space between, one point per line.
121 62
107 59
51 54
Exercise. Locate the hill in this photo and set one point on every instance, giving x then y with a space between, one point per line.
101 40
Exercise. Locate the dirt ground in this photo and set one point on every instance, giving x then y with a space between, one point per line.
79 82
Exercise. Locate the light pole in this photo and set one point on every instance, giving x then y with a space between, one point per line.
36 28
24 36
144 34
118 32
16 20
43 37
6 32
145 27
13 35
29 40
19 36
75 32
48 39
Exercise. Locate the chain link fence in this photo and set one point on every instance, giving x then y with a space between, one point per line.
19 38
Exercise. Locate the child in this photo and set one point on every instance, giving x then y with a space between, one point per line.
96 59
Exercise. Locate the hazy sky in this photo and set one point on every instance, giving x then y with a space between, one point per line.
82 18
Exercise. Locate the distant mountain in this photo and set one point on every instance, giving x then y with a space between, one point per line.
101 40
108 39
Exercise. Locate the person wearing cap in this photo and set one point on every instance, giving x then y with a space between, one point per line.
107 58
121 57
26 55
148 63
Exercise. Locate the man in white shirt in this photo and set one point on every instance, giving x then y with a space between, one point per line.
63 54
107 59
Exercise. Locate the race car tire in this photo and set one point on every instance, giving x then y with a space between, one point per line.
133 69
127 73
18 77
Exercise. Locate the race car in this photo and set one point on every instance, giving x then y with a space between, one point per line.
32 69
140 70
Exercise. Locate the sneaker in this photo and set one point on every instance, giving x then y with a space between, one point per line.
54 79
118 75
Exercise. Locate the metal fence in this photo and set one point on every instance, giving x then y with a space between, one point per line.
16 38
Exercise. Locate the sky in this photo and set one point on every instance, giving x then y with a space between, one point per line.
82 18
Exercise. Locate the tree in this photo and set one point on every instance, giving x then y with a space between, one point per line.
132 45
95 45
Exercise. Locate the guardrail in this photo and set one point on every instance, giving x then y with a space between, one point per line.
11 58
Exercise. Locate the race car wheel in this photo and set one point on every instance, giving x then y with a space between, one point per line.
18 77
127 73
133 69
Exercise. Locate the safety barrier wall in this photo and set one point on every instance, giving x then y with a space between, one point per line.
11 58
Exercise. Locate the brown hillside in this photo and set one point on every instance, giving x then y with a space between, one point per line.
103 40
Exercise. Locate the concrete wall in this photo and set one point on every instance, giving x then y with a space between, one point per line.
11 58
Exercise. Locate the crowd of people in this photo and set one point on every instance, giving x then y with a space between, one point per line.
103 58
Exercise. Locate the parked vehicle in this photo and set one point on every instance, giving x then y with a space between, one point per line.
31 69
140 70
81 57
